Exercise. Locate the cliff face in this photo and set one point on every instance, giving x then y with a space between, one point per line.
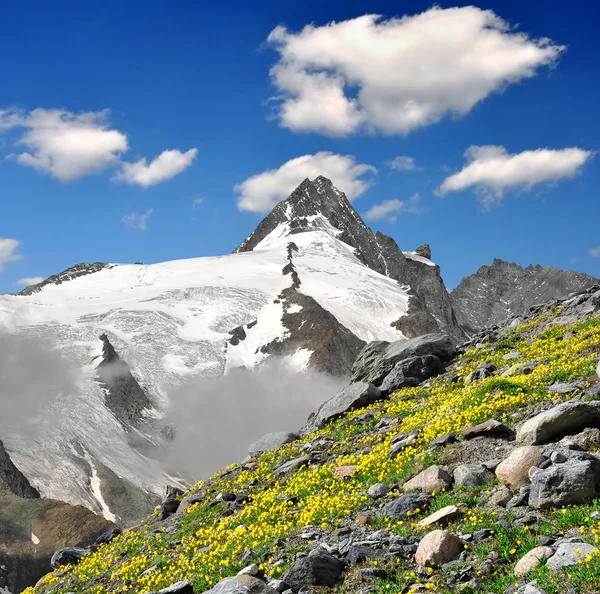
504 289
12 479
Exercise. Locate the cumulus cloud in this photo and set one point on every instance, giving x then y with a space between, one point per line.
32 280
400 74
137 221
261 192
390 209
167 165
595 252
491 170
67 146
8 249
404 163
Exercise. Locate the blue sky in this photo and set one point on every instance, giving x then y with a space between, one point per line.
197 81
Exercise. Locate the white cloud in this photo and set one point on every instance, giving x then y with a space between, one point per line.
390 209
8 248
404 163
260 193
400 74
491 170
65 145
26 282
137 221
167 165
595 252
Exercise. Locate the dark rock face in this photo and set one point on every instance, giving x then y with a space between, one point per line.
430 308
271 441
411 372
378 358
398 508
13 479
124 395
495 293
318 568
69 274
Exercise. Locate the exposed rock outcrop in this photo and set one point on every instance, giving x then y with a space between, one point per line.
13 479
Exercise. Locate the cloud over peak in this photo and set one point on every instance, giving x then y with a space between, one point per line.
491 170
261 192
167 165
397 75
390 209
8 249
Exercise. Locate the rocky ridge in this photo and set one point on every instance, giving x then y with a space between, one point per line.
448 485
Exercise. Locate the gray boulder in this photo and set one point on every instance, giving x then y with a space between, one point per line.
241 584
270 442
68 555
378 358
181 587
351 397
570 553
294 464
409 503
472 475
567 418
411 372
318 568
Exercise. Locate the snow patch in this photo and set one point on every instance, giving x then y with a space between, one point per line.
34 539
415 256
97 491
294 308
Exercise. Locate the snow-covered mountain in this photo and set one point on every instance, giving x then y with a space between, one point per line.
311 285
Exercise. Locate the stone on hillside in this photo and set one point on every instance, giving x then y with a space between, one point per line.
441 516
490 428
586 440
567 418
188 501
563 388
514 471
406 504
532 560
168 508
478 375
398 446
344 472
378 490
294 464
445 439
434 478
250 570
438 547
270 442
357 395
241 584
318 568
570 553
181 587
571 483
377 359
512 355
67 555
411 372
472 475
366 517
501 497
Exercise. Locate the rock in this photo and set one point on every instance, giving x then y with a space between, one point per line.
318 568
586 440
521 498
514 471
492 464
478 375
107 537
368 574
168 508
399 445
278 585
378 490
356 395
68 555
359 554
443 440
344 472
365 517
250 570
188 501
442 516
512 355
438 547
270 442
532 560
491 428
567 418
406 504
472 475
411 372
531 588
569 553
377 359
172 492
294 464
434 478
424 251
571 483
241 584
501 497
563 388
182 587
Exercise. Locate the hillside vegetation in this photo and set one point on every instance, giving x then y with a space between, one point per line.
257 513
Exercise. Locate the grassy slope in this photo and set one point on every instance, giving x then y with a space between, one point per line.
205 547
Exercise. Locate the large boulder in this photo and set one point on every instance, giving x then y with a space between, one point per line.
270 442
570 553
469 476
318 568
567 418
514 471
438 547
405 505
68 556
572 482
241 584
378 358
532 560
411 372
357 395
434 478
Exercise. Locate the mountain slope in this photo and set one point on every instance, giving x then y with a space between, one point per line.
495 293
312 281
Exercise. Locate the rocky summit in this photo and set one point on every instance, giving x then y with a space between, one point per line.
461 482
